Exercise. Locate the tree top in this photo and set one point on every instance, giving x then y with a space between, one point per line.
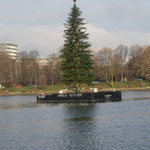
74 1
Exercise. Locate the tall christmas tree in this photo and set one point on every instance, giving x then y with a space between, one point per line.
76 59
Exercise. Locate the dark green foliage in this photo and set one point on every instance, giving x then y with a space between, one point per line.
76 59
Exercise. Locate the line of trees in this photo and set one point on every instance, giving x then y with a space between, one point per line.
120 64
34 73
27 71
9 69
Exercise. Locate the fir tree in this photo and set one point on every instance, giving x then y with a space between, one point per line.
76 59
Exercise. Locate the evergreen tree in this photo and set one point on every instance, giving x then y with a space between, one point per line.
76 59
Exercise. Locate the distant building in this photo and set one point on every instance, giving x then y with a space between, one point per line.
10 48
47 61
43 62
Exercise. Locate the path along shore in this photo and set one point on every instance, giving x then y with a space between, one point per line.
52 92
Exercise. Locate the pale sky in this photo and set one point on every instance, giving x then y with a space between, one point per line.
38 24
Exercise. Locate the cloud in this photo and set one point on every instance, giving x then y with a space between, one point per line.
100 37
48 40
45 40
113 15
36 24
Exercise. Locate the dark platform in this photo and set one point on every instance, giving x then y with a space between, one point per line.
80 97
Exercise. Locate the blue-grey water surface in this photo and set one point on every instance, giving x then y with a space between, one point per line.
26 125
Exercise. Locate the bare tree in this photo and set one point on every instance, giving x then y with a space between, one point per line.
29 67
53 72
145 66
120 57
135 62
5 68
24 61
34 67
49 70
105 60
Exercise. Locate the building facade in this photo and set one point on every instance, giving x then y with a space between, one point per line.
43 62
10 48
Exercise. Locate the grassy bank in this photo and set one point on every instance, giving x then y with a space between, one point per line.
128 85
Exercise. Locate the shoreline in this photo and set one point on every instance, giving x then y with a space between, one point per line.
52 92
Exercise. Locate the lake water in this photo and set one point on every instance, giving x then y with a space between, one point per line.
26 125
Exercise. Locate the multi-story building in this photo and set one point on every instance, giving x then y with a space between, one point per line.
43 62
47 61
10 48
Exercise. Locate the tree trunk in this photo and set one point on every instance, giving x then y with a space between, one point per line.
122 77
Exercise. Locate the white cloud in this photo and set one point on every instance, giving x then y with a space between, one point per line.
48 40
45 40
111 22
99 37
